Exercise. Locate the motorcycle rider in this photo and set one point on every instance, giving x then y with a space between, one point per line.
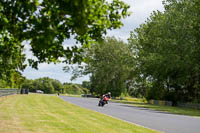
108 95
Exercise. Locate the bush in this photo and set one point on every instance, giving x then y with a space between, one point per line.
75 89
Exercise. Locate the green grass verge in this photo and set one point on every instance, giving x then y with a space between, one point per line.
70 95
174 110
37 113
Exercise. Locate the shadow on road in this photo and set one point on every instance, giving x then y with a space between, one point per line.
147 109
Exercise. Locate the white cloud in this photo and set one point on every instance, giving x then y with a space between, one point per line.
141 9
54 71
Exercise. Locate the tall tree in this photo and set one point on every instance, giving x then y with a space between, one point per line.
57 85
109 63
167 51
14 80
44 84
46 24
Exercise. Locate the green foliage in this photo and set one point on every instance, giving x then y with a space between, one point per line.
3 84
49 86
45 84
28 84
46 24
57 85
14 80
86 84
109 63
70 88
166 49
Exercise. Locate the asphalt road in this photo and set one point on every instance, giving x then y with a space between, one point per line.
161 121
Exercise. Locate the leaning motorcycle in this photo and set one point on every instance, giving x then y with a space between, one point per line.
103 101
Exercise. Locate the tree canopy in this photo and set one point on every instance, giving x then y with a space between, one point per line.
160 61
49 86
45 24
109 64
167 51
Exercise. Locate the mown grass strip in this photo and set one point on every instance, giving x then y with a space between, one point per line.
169 109
37 113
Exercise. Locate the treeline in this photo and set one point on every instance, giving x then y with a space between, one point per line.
44 30
161 60
49 86
46 84
167 52
14 79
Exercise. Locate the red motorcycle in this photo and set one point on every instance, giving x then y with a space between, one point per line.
104 100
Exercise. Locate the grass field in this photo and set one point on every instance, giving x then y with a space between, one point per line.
169 109
36 113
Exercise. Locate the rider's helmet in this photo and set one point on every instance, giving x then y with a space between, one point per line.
109 93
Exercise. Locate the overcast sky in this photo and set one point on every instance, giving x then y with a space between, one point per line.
141 10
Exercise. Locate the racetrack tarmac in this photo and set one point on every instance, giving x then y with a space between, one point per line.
161 121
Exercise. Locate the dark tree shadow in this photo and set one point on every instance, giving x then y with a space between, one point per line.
147 109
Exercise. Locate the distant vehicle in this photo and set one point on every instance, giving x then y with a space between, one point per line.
39 91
